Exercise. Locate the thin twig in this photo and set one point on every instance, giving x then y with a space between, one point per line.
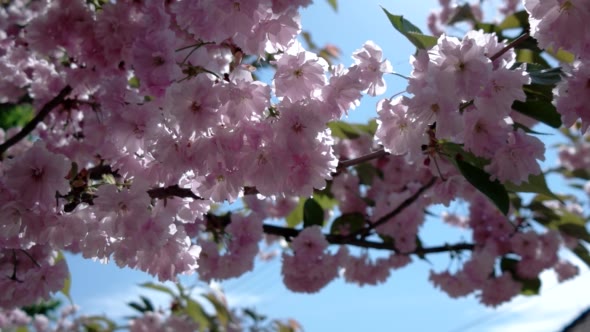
29 127
290 233
511 45
373 155
395 212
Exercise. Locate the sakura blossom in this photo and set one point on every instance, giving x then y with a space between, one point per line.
176 145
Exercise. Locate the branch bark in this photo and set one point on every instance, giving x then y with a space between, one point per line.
29 127
290 233
512 44
370 156
172 191
394 212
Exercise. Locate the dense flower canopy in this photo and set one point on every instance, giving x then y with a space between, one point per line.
147 120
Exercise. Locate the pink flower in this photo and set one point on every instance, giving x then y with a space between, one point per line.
566 270
503 88
498 290
372 67
552 23
468 62
516 160
37 175
572 95
485 131
310 268
343 90
397 130
299 74
153 61
194 105
243 100
454 285
364 271
67 23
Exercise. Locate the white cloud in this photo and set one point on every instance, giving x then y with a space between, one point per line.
556 307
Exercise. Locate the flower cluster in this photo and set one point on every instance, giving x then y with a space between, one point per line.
462 95
149 119
163 105
552 23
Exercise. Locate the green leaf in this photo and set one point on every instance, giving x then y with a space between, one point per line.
347 223
538 92
99 323
308 40
46 308
333 4
343 130
296 216
561 55
463 13
65 290
147 303
480 179
535 184
313 214
366 173
517 125
539 110
530 56
195 311
15 115
508 264
517 20
133 82
582 252
453 150
575 230
220 308
549 76
486 27
410 31
137 307
367 128
346 130
109 178
158 287
530 286
327 202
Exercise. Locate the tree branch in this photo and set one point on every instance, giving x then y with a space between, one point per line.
290 233
395 212
351 162
511 45
172 191
29 127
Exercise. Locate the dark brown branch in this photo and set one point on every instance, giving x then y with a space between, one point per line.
290 233
31 258
29 127
394 212
511 45
351 162
172 191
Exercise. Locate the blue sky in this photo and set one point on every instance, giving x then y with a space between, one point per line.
407 301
